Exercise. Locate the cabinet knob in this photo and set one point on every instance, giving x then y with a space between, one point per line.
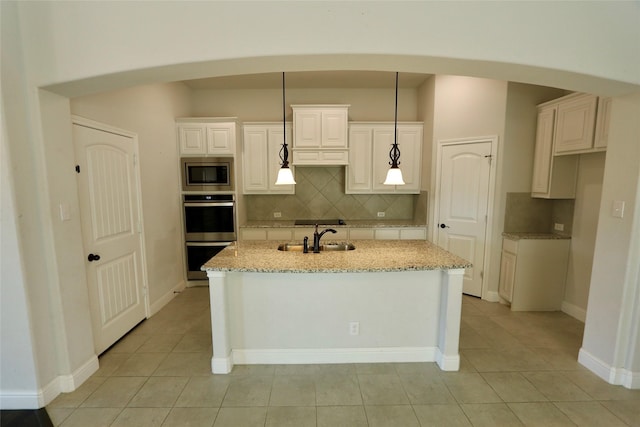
444 226
93 257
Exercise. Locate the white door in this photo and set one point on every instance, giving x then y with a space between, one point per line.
111 228
462 206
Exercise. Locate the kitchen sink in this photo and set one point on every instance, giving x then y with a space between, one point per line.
342 246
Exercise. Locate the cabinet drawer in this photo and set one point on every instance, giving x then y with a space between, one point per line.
324 157
361 234
510 245
253 234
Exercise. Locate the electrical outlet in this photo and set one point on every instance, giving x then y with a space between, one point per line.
354 328
277 214
381 214
558 227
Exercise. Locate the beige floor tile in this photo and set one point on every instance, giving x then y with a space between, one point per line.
560 359
293 390
58 415
540 414
261 370
341 416
291 417
382 390
375 368
204 392
424 368
159 392
241 417
91 417
598 389
141 417
253 390
441 416
589 414
194 343
627 410
302 369
115 392
513 387
337 369
334 389
185 365
470 388
130 343
190 417
75 398
391 416
505 360
140 365
556 386
109 362
160 343
425 389
490 415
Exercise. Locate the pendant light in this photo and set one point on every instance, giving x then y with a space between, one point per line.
394 175
285 176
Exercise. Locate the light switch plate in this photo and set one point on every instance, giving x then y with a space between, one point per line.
617 209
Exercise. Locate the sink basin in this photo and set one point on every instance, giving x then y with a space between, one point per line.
342 246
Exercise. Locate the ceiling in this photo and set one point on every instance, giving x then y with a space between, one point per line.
312 79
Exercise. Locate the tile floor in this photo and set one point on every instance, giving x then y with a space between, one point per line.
517 369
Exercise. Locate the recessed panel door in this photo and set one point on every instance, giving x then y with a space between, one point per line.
463 204
111 232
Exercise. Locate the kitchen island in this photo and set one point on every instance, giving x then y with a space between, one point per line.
385 301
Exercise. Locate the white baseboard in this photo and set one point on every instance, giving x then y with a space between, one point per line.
26 399
337 355
447 363
616 376
574 311
166 298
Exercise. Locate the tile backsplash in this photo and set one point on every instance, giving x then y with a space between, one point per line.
320 194
524 214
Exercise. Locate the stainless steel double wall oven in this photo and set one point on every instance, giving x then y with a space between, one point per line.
209 209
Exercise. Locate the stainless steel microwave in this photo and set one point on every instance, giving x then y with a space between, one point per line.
207 173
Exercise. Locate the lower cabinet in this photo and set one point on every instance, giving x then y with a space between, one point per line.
532 273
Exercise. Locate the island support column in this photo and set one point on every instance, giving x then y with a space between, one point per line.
222 361
448 357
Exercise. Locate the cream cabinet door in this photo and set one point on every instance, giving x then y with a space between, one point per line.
221 138
261 160
192 138
575 124
543 150
601 138
358 172
410 145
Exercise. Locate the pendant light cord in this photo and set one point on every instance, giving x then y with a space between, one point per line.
284 151
394 153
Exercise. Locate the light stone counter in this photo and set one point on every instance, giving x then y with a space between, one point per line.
369 256
385 301
534 236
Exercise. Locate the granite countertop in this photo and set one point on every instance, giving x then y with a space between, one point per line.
369 256
525 236
349 224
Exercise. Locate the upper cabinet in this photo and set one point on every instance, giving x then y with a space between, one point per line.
206 136
369 145
574 124
320 134
601 138
576 118
553 177
261 160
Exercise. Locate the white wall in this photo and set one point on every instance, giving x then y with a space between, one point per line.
81 48
466 107
583 237
149 111
611 329
266 105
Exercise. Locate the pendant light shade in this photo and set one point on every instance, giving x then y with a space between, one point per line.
394 175
285 175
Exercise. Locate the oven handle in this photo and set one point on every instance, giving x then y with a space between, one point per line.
206 244
208 204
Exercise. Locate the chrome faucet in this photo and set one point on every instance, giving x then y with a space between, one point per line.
317 236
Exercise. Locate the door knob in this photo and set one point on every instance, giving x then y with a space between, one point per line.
444 226
93 257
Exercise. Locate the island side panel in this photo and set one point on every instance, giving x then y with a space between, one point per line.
448 357
221 361
305 317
